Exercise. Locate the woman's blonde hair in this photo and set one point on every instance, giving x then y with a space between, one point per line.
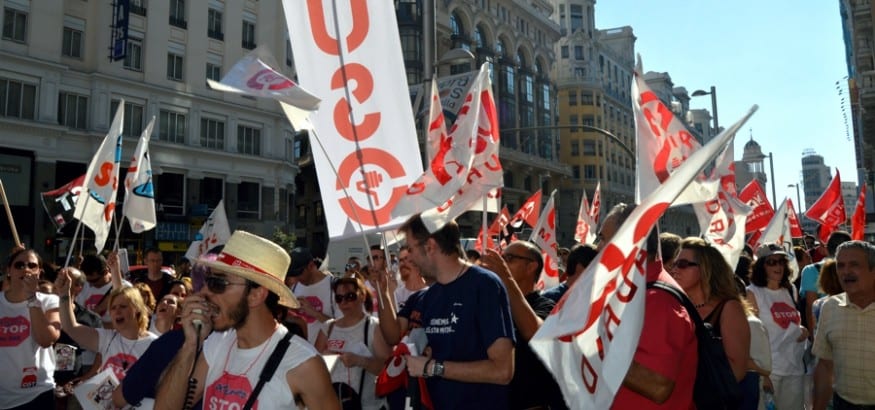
136 299
717 277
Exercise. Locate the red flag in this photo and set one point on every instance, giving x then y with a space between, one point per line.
858 221
795 226
829 209
595 208
59 203
762 211
490 244
528 212
394 375
500 222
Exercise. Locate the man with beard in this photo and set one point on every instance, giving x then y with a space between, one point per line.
411 279
242 297
466 317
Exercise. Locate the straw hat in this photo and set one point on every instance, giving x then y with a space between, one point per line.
256 259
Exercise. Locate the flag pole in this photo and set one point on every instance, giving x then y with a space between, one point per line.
9 215
117 230
483 227
76 233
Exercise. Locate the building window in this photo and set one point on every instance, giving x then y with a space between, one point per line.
578 53
14 25
214 24
214 72
212 134
170 193
248 200
138 7
576 170
73 110
573 120
589 172
133 122
586 98
564 51
134 56
212 191
17 99
575 148
579 72
572 97
171 126
576 17
72 43
177 14
248 140
248 35
174 67
589 147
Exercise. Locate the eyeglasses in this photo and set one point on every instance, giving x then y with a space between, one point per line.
509 257
775 261
22 264
683 263
349 297
377 256
219 285
351 266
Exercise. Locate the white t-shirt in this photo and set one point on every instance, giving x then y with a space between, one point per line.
344 339
402 294
27 367
120 353
782 321
233 372
319 296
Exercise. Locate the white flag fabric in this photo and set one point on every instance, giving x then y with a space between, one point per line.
595 207
97 208
351 58
214 232
589 339
722 218
450 160
585 230
778 232
139 206
663 143
252 76
544 235
477 123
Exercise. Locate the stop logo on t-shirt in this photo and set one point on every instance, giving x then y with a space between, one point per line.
784 314
13 330
229 391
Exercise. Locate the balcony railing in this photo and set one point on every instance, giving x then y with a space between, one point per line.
218 35
137 9
178 22
249 45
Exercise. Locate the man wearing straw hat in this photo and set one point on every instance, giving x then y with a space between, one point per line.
243 293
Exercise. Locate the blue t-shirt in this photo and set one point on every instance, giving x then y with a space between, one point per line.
142 378
555 293
462 319
808 282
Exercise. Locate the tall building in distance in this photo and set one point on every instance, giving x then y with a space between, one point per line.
594 76
59 90
815 178
751 166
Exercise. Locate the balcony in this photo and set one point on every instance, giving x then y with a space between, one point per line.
215 34
249 45
178 22
138 9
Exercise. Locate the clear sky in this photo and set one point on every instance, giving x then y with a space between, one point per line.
785 56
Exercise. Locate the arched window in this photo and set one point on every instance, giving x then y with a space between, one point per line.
478 38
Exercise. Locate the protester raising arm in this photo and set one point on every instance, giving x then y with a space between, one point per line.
85 336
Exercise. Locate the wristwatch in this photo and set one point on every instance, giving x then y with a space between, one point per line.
32 302
438 369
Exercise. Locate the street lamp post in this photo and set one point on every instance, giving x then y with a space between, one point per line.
772 174
798 198
713 94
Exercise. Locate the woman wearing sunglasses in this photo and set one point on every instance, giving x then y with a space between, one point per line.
771 295
354 336
31 325
702 271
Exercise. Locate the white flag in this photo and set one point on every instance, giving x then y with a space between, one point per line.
544 235
139 205
585 230
595 208
447 167
97 208
589 339
214 232
481 129
778 232
252 76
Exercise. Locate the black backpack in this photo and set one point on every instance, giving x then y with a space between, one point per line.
716 387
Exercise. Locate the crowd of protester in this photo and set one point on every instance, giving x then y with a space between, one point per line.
794 337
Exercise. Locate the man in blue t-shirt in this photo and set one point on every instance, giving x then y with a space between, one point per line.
466 317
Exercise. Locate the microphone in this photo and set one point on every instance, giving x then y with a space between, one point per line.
198 324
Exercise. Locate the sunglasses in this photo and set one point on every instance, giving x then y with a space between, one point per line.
683 263
22 264
775 261
351 266
349 297
509 257
219 285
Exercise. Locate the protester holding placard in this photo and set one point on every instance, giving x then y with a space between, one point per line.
29 325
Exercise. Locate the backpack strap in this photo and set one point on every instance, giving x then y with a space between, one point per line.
685 301
362 379
269 368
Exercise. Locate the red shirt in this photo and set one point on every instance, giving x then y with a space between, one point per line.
667 346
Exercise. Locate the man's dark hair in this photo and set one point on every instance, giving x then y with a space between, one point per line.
580 254
835 239
93 263
472 254
447 238
151 250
